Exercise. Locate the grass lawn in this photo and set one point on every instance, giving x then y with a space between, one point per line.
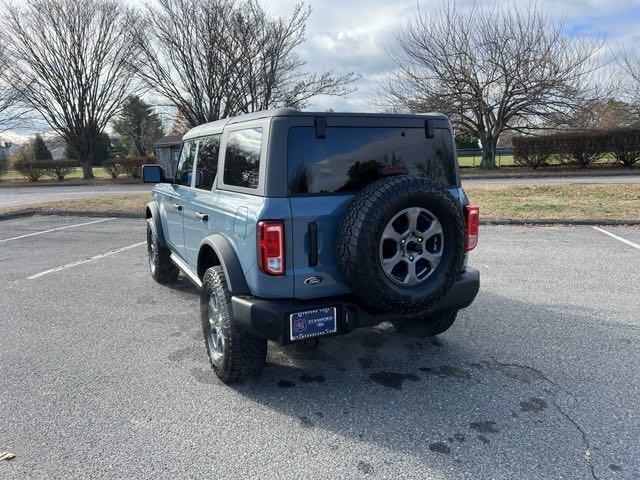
508 161
98 172
549 202
583 202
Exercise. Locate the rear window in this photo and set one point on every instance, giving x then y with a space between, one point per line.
351 157
242 158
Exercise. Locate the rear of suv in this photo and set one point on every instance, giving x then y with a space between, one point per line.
298 225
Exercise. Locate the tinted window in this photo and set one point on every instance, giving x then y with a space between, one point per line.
242 158
185 164
351 157
208 160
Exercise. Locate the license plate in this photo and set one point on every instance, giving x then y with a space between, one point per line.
312 323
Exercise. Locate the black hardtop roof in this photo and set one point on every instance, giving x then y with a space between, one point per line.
218 126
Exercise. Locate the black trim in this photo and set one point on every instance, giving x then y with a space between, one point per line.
313 244
428 128
321 127
155 215
269 318
229 260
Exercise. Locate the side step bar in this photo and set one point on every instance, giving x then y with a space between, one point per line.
186 270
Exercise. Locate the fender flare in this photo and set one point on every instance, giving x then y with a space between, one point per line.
229 261
153 211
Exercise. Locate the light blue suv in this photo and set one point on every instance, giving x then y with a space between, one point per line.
298 225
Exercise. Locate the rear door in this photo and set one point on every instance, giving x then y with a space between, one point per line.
198 213
325 173
177 196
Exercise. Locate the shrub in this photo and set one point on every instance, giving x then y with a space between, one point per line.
30 169
133 165
59 168
581 147
625 145
4 163
533 152
113 168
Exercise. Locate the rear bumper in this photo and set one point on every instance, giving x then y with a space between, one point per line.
270 318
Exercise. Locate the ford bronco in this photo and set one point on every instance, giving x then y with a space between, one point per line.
298 225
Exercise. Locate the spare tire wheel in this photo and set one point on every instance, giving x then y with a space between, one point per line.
401 244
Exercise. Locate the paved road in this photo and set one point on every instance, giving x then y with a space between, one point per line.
104 373
553 180
13 196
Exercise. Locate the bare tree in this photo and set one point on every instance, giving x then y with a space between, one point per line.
216 58
492 70
8 101
631 66
68 61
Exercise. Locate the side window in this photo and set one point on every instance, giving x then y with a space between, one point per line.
208 161
242 158
185 164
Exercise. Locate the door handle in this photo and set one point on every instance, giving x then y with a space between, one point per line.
203 217
177 206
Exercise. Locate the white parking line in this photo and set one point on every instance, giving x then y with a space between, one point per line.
56 229
623 240
86 260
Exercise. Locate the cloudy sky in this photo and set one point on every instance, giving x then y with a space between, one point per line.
353 35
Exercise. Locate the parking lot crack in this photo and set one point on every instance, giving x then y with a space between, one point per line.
585 440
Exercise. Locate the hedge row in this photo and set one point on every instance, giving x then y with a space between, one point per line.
130 165
582 148
36 169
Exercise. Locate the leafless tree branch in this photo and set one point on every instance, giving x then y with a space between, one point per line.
492 70
69 61
217 58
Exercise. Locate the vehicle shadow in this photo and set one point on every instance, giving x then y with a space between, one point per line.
450 397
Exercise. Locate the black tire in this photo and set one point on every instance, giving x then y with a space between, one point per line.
429 325
359 236
162 268
240 355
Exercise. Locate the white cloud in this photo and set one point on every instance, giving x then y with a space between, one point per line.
355 35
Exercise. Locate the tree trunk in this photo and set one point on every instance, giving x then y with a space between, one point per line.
87 169
488 154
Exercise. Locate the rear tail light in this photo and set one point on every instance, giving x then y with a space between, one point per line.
271 247
472 216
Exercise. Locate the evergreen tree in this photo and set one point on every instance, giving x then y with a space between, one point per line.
137 126
39 150
102 150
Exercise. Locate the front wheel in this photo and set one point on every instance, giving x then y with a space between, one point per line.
430 325
234 354
162 268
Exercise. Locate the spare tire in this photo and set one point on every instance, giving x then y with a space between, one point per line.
401 244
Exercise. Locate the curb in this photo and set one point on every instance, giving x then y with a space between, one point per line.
69 213
489 221
520 176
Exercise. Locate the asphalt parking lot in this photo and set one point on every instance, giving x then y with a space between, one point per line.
103 373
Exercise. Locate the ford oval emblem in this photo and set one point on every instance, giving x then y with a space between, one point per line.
312 280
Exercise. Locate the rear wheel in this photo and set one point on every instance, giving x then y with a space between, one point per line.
429 325
162 268
234 354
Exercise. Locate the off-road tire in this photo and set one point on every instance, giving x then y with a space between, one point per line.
243 354
428 325
361 230
162 268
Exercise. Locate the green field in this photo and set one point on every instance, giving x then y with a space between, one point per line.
507 160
